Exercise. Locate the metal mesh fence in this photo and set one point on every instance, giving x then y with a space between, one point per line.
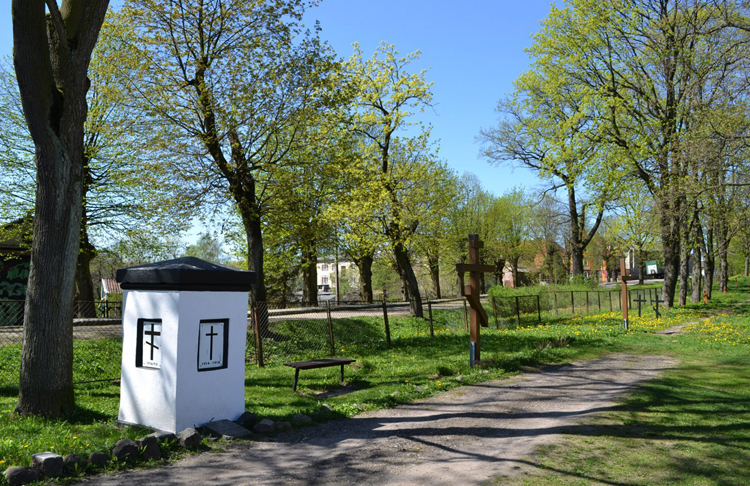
97 341
527 309
328 329
303 333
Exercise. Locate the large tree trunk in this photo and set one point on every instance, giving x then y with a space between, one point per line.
364 264
684 266
709 261
309 274
641 264
514 270
51 72
579 239
722 244
433 262
460 279
696 236
254 235
670 237
408 279
695 295
84 295
499 267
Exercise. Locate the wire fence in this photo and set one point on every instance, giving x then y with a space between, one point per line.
330 329
97 341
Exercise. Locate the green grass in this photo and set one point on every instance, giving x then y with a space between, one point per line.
691 425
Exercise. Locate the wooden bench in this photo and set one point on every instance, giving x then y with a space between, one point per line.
317 363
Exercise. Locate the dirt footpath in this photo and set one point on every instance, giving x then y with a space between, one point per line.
466 436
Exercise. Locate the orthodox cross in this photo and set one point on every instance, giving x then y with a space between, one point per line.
656 309
211 345
640 301
152 333
471 292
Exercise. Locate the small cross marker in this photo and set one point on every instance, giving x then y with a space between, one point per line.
656 309
640 301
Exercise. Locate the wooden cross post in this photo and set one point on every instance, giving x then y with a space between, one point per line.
478 316
624 294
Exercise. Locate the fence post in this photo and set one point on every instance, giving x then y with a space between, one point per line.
599 300
610 301
572 303
518 311
258 339
429 312
587 302
494 311
538 308
330 327
466 317
387 326
557 311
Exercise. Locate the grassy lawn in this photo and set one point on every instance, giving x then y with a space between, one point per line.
690 427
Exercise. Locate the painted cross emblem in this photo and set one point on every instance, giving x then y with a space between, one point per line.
149 344
212 344
153 333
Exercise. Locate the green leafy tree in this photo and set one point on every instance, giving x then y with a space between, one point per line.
549 127
654 69
387 95
208 247
230 85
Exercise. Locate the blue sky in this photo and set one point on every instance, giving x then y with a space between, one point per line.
472 49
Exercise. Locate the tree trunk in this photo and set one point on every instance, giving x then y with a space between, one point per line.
364 264
84 294
709 262
579 239
408 279
433 262
460 282
722 245
499 267
695 295
514 270
684 265
669 225
641 264
51 72
309 274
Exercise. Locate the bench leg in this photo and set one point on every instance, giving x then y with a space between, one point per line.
342 373
296 377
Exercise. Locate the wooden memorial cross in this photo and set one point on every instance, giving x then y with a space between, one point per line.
471 292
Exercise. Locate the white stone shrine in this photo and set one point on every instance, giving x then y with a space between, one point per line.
184 329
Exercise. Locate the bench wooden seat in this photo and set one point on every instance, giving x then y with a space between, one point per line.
318 363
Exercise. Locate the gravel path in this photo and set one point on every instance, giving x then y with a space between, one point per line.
466 436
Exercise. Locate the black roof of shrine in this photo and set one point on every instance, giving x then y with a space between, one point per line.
187 273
